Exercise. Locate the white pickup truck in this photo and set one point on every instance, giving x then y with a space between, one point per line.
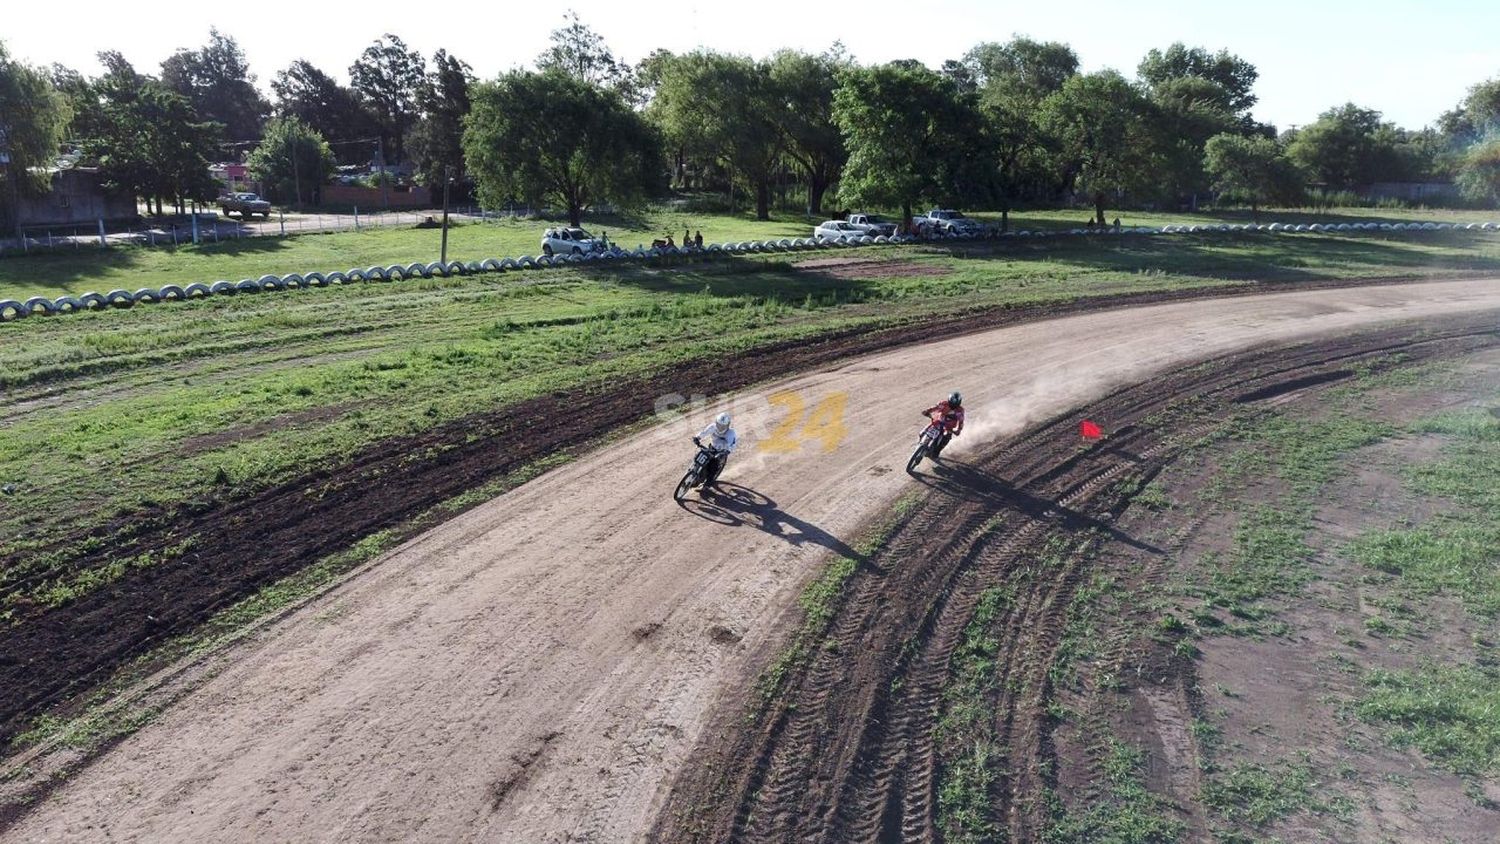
945 221
874 224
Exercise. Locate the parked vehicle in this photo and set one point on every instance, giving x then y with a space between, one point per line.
244 204
700 473
570 241
838 230
948 221
873 224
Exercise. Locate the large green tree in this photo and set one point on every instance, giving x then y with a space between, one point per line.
437 141
390 78
150 142
581 53
217 82
1349 146
1106 144
911 135
1253 170
722 109
1012 80
33 118
548 137
1230 72
804 86
1479 172
293 161
332 110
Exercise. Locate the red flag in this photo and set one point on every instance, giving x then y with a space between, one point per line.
1089 431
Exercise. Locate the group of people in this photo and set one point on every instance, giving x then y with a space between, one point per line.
690 240
720 437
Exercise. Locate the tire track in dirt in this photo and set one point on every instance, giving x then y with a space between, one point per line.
847 752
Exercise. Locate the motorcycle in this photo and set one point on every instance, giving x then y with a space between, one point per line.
927 443
699 474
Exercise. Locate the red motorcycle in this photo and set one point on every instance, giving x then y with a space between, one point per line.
929 443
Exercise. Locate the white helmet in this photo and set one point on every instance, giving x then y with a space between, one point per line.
721 422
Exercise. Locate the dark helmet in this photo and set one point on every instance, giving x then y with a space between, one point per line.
955 399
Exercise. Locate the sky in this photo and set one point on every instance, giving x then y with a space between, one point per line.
1409 60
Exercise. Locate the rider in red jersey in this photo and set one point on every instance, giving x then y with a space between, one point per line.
949 414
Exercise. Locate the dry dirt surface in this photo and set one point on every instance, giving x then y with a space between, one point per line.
538 668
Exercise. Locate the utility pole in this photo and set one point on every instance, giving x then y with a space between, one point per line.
385 188
447 181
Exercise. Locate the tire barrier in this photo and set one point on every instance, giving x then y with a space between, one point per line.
12 309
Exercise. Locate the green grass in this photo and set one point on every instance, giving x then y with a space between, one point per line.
1457 551
1257 794
77 271
154 408
1450 713
966 778
1269 555
1126 812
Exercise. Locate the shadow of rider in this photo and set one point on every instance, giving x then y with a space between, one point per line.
733 505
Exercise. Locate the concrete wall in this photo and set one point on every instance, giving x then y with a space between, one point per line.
76 198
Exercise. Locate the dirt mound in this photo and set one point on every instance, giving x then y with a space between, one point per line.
849 269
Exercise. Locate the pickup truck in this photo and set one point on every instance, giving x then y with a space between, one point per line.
875 225
244 204
945 221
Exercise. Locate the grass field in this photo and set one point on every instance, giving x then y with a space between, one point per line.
150 409
79 271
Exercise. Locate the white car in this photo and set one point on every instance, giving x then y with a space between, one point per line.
569 241
946 221
836 229
873 224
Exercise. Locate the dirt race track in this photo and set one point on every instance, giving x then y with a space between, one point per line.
539 668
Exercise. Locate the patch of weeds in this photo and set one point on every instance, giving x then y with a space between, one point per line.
1258 794
1448 713
1125 813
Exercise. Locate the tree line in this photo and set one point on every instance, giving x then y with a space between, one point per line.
1004 125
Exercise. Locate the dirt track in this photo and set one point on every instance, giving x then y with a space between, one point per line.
536 669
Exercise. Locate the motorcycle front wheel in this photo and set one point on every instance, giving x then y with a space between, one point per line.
916 457
688 481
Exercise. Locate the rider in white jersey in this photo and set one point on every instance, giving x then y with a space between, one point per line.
722 439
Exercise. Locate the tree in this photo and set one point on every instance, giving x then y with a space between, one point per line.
389 77
804 84
1230 72
1254 170
906 128
1477 116
1479 174
33 117
1105 143
1349 146
293 160
150 141
328 108
1013 79
1021 69
581 53
590 147
218 83
723 109
437 142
